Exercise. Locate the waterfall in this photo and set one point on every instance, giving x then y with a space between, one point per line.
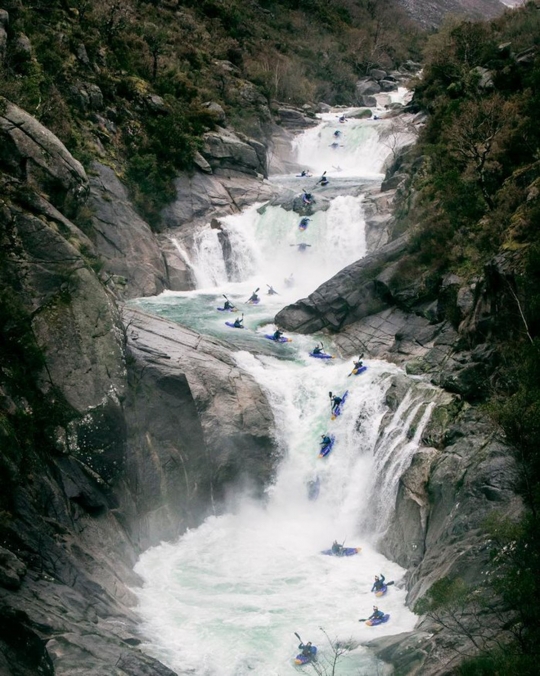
226 598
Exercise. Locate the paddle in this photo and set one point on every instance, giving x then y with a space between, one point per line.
331 399
363 619
274 292
298 637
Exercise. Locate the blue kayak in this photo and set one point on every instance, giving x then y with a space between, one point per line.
339 408
278 340
305 659
325 450
382 591
229 309
382 620
231 324
346 551
357 372
253 302
321 355
313 488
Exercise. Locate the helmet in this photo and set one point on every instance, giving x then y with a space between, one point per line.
376 577
375 608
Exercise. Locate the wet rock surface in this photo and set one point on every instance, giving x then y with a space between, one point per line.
123 240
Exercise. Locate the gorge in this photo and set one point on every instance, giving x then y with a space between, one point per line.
122 430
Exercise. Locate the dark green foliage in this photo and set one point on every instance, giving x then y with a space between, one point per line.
478 195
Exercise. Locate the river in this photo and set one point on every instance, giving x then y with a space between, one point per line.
227 597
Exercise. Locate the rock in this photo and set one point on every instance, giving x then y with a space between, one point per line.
23 47
361 114
377 74
387 85
369 101
394 182
323 108
12 569
224 150
217 111
206 422
485 79
4 22
367 86
82 54
202 196
347 297
123 240
35 155
292 118
156 104
201 163
405 538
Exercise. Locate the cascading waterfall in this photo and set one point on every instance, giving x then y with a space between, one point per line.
226 598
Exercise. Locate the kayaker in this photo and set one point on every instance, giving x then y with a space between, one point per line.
337 133
307 198
277 334
318 349
376 614
336 401
325 440
304 173
307 649
254 298
378 584
272 291
323 180
239 322
228 305
358 363
337 549
289 281
304 222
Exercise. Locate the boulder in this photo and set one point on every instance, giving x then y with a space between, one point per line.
217 111
224 150
292 118
387 85
124 241
484 77
377 74
368 101
367 86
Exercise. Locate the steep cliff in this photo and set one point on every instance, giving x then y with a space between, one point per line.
117 430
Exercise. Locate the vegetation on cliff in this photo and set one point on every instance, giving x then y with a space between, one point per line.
127 81
478 205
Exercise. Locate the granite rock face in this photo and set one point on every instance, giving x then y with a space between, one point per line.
196 426
123 240
33 154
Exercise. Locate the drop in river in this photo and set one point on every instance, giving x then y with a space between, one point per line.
227 597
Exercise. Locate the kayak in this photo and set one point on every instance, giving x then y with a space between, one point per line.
229 309
382 591
313 488
373 623
325 450
321 355
357 372
253 302
278 340
339 408
231 324
305 659
346 551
